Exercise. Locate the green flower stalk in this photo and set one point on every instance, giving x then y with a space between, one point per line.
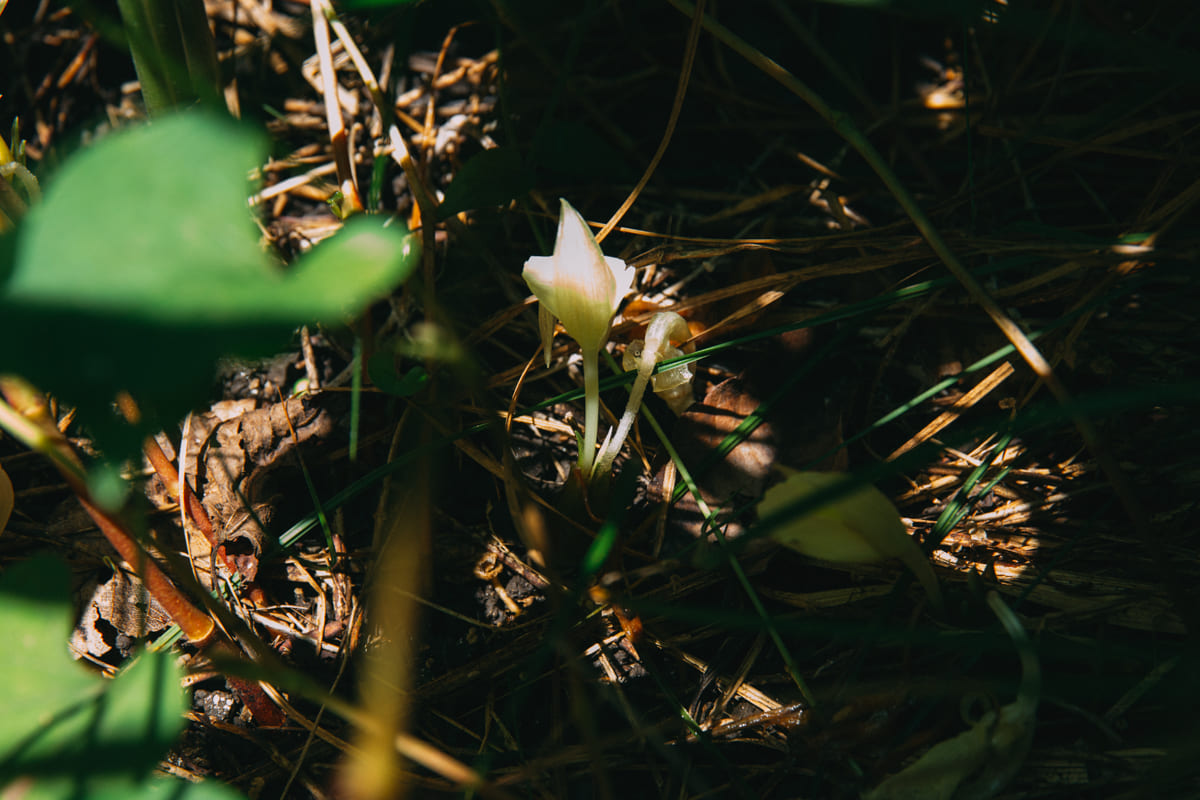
581 287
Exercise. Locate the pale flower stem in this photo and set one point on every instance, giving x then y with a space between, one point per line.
657 342
605 462
591 411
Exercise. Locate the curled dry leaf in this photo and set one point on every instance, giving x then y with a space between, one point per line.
124 604
239 456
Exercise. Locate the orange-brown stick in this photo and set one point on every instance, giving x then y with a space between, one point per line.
193 508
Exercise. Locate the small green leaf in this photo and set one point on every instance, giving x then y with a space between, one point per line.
491 178
858 525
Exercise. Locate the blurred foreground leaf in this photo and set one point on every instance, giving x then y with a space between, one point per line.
69 732
143 266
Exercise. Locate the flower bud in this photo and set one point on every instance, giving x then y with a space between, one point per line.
579 285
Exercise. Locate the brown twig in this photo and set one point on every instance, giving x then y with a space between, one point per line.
194 509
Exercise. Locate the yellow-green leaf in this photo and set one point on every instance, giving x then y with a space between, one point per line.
859 526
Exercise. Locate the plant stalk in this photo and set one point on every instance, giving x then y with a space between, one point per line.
609 455
591 412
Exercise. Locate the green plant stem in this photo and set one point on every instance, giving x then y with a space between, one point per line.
173 52
591 411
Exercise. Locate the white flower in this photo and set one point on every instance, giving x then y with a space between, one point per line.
582 287
579 285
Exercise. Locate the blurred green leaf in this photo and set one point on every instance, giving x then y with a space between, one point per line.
169 789
37 677
143 266
490 178
8 256
118 788
69 732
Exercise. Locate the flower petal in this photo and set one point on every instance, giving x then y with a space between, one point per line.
623 277
579 284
